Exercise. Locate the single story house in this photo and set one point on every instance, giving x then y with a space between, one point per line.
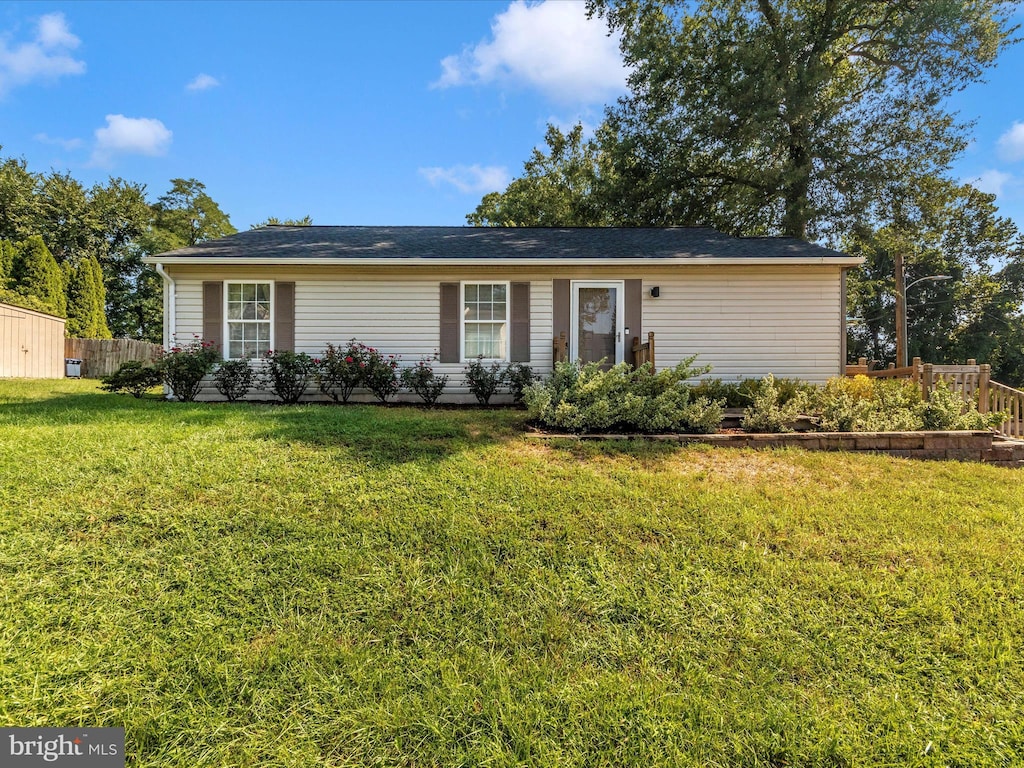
747 306
31 344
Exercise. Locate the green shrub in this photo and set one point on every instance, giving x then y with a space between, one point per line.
134 377
380 373
946 409
233 379
287 374
339 371
717 390
184 367
518 376
587 399
484 380
769 412
422 380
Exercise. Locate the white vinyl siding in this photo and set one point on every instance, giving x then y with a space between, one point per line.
744 321
749 322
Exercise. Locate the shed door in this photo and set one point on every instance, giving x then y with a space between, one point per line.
597 317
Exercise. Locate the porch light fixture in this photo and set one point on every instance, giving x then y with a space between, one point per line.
655 292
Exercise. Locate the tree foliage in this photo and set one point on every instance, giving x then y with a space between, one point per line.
789 116
190 214
86 300
35 273
560 188
946 229
273 221
107 228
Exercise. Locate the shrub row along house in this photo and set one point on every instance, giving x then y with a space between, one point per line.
746 306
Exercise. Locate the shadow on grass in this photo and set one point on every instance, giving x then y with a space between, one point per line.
373 434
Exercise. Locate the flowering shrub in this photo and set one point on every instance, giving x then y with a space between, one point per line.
134 377
184 367
233 379
380 374
287 374
422 380
484 380
339 371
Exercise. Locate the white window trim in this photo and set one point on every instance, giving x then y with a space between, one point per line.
462 320
620 315
227 323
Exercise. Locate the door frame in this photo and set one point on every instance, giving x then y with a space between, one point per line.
620 315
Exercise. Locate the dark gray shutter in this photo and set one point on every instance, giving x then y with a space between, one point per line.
449 342
284 317
213 315
634 304
561 307
520 323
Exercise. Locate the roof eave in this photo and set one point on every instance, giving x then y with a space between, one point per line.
838 261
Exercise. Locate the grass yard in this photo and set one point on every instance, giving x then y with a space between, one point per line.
356 586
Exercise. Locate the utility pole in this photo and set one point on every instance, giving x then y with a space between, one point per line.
901 313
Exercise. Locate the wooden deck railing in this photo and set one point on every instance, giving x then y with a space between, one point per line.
642 353
560 351
1004 398
972 382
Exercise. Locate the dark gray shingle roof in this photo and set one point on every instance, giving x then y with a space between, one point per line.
281 243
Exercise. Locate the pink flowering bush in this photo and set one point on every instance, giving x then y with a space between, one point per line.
339 371
184 366
380 374
287 374
422 380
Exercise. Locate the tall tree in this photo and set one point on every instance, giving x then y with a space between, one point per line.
67 220
191 214
35 273
788 116
942 229
560 188
85 303
19 200
123 216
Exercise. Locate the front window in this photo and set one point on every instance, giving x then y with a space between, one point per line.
485 320
249 318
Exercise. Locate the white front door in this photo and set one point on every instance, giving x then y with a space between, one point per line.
598 309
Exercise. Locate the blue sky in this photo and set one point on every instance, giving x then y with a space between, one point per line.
352 113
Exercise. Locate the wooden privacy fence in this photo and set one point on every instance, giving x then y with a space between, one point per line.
972 382
101 357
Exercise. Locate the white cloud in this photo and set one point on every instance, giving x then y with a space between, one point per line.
469 178
130 136
551 46
66 144
1011 143
993 181
202 82
46 57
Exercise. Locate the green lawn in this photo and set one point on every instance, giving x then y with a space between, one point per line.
313 586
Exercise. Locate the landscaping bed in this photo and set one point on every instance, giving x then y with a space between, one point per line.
959 445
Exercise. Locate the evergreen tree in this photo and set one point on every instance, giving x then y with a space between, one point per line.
6 261
35 273
86 317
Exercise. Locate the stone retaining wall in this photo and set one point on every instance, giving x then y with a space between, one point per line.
958 446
